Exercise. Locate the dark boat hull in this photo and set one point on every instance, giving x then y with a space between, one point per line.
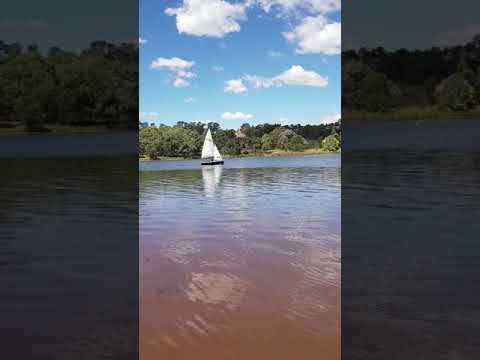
213 163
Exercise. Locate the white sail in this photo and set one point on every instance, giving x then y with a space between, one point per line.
216 154
208 149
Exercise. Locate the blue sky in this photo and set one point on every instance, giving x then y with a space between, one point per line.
232 62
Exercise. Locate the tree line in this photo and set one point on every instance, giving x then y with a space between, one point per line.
186 139
96 87
446 79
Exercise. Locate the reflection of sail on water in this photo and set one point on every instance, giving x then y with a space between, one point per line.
211 178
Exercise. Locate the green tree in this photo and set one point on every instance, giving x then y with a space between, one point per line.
266 142
281 137
297 143
149 142
331 143
455 93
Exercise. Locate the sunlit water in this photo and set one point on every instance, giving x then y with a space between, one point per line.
240 261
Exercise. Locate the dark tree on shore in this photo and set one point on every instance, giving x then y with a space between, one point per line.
377 80
97 87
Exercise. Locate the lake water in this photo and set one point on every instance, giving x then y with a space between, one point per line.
410 249
69 258
240 261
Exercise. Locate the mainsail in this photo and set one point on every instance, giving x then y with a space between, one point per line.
208 146
209 149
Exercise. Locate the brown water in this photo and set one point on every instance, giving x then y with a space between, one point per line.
241 261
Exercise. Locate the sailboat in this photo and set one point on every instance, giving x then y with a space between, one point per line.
210 153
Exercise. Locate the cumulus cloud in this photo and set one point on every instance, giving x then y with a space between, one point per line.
214 18
176 66
312 32
298 76
142 40
295 76
149 116
172 64
234 86
217 68
236 116
190 100
316 35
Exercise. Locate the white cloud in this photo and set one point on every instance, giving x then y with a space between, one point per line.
190 100
236 116
217 68
181 83
298 76
330 118
234 86
172 64
295 76
312 32
313 6
149 116
214 18
178 67
316 35
261 81
186 74
142 40
273 53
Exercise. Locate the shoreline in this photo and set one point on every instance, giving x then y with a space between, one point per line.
274 153
411 113
62 130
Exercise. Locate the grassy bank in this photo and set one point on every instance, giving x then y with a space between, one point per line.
163 158
271 153
278 152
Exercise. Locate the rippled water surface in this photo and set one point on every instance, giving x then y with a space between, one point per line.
410 254
69 258
240 261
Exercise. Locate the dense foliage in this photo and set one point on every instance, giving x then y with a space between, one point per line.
98 86
331 142
185 139
376 80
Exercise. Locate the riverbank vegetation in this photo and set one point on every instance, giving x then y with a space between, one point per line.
184 140
412 84
58 90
